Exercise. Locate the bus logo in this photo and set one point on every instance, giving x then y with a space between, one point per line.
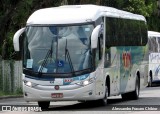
126 60
56 87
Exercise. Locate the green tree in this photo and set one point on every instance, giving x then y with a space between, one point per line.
13 16
142 7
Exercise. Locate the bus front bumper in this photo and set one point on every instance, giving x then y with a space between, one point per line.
70 93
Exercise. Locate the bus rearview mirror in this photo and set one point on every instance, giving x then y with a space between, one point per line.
16 39
94 37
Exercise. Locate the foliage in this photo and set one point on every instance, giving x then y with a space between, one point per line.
153 23
141 7
13 16
18 93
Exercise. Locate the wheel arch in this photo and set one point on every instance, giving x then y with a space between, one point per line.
150 73
138 76
108 84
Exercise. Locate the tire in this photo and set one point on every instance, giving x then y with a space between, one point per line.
44 104
133 95
103 101
126 96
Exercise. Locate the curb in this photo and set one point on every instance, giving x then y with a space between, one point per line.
6 97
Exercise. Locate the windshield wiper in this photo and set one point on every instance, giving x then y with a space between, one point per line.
44 63
69 58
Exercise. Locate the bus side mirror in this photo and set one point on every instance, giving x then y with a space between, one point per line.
94 37
16 39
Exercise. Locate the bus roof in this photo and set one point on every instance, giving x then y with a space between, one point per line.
69 14
154 33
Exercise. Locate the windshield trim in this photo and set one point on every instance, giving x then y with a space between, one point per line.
59 25
57 75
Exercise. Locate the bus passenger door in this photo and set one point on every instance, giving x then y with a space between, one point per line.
115 71
117 74
99 63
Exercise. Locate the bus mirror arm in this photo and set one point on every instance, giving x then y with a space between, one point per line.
16 39
94 37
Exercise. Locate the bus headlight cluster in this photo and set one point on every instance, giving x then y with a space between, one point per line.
29 84
86 82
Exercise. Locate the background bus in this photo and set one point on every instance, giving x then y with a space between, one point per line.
73 53
154 57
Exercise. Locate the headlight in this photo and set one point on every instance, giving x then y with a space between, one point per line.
86 82
29 84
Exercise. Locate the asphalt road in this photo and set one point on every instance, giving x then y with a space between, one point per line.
148 103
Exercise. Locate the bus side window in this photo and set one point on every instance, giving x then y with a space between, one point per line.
144 36
154 45
121 31
149 45
158 43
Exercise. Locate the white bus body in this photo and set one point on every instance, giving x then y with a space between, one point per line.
154 56
83 52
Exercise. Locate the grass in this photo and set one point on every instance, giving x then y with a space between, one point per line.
10 94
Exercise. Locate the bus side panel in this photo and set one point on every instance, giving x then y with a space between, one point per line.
131 62
112 69
154 65
144 66
123 65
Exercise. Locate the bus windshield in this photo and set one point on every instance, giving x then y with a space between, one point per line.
57 49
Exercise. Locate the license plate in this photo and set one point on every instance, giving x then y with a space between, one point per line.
57 95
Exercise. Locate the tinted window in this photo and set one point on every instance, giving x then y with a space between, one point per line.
144 33
153 46
125 32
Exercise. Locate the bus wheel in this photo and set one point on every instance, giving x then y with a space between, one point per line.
135 93
125 96
44 104
150 81
103 101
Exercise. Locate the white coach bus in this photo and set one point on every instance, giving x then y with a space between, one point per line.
154 57
84 53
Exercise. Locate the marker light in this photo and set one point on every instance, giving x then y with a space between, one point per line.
86 82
